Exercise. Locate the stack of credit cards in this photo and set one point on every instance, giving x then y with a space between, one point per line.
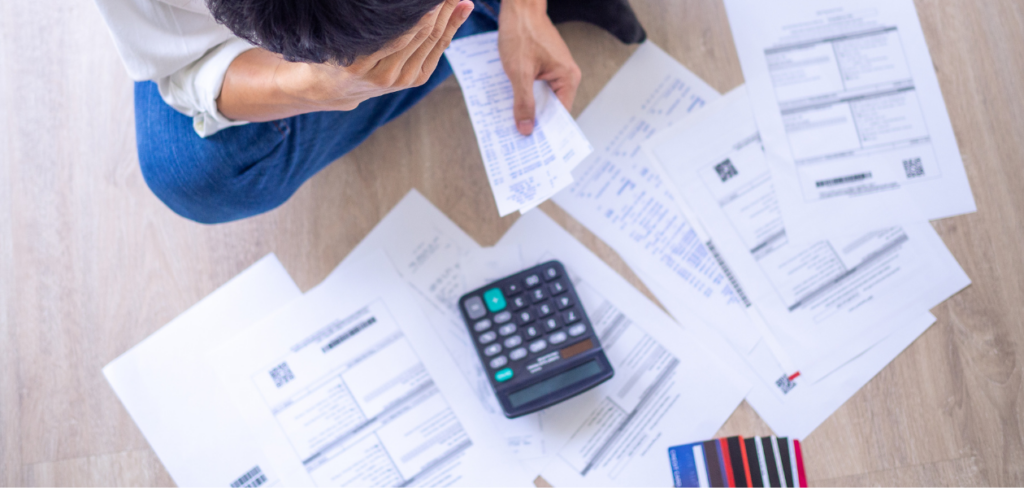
735 461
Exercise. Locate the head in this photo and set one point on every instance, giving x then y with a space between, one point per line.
320 31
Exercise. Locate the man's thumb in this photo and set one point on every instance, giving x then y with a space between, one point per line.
523 108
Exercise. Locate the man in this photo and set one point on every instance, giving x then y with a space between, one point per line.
250 98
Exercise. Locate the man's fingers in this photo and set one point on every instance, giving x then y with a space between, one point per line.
564 82
523 106
426 61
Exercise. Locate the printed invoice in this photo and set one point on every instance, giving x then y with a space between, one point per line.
349 386
826 299
434 256
850 112
624 202
674 382
523 171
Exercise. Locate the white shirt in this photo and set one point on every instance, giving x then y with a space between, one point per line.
179 45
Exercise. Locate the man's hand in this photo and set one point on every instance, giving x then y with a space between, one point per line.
261 86
532 49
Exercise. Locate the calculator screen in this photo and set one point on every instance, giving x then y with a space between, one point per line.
554 383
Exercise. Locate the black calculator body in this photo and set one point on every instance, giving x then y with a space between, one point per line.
536 342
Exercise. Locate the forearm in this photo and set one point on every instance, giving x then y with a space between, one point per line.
252 89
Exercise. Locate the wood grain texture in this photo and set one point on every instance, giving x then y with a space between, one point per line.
91 263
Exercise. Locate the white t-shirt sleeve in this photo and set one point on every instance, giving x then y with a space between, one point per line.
178 44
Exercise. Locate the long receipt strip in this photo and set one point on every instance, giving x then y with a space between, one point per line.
824 300
850 112
165 383
523 171
349 386
436 258
672 381
624 202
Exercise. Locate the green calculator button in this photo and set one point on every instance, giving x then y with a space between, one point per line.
494 299
503 375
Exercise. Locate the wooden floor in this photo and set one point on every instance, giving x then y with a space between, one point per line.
91 262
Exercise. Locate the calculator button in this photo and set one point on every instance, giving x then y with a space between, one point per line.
499 362
545 309
475 307
488 337
503 375
482 325
538 346
563 302
494 299
556 287
570 316
517 354
538 294
492 349
503 317
507 329
551 323
532 280
513 341
577 329
550 273
524 317
557 338
513 288
532 332
520 302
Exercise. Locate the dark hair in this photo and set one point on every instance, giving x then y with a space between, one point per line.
320 31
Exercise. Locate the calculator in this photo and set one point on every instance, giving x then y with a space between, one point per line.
536 342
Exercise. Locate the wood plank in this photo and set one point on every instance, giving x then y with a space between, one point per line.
91 262
128 468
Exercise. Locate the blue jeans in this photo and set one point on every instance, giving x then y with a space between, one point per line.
250 169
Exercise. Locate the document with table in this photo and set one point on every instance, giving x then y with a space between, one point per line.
348 386
523 171
647 349
850 112
818 297
624 202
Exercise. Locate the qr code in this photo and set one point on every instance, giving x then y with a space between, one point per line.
281 374
913 167
785 384
726 170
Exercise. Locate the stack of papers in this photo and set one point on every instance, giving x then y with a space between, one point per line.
783 226
816 290
363 379
523 171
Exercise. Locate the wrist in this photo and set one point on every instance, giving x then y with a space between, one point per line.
533 6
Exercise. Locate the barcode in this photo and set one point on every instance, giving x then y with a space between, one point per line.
726 170
251 479
728 274
843 179
785 384
281 374
913 167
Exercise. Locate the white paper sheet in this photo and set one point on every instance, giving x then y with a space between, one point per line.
523 171
851 113
440 262
824 300
621 199
673 384
168 387
350 386
809 404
